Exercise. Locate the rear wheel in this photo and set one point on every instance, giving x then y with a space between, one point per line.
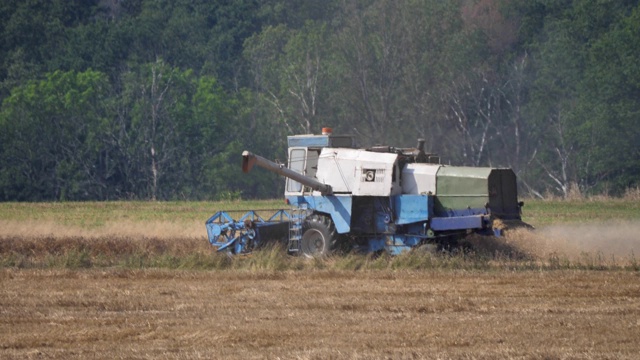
319 237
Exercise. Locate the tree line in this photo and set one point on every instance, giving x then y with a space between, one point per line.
156 99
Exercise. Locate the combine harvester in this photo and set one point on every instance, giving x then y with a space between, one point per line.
370 200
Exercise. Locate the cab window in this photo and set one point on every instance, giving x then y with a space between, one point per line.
297 164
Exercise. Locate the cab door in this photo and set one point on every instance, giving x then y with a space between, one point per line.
297 163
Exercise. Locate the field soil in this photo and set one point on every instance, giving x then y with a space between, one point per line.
322 314
138 280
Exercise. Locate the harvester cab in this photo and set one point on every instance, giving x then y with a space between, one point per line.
304 155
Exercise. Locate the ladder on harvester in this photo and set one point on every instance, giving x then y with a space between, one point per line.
298 215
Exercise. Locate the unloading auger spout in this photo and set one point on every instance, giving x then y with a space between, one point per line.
249 160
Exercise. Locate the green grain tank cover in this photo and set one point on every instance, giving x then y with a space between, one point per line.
461 188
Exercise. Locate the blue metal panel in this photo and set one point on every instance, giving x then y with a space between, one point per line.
458 223
317 141
463 212
308 141
397 244
392 244
375 245
216 224
397 249
412 208
338 207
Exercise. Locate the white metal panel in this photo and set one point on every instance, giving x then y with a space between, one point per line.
419 178
356 171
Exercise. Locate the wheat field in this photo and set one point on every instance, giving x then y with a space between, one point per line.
139 281
326 314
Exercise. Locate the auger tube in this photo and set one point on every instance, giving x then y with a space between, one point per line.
249 160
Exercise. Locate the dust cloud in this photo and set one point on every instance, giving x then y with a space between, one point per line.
611 241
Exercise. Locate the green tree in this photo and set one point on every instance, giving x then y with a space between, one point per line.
51 138
153 106
405 68
609 105
289 68
568 112
33 35
170 126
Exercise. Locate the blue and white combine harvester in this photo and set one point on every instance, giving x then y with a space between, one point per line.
370 200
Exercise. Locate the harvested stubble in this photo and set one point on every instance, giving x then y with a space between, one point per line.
103 291
140 314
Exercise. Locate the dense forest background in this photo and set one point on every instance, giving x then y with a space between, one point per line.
156 99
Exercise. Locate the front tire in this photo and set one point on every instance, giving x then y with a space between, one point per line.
319 236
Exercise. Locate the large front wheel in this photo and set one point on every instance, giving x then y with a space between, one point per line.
319 237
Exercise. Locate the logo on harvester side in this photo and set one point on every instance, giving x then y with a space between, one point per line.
372 175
